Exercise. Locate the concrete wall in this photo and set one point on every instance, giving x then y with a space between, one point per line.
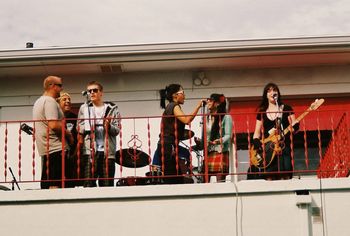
248 208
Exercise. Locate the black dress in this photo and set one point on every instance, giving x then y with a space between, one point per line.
171 132
282 161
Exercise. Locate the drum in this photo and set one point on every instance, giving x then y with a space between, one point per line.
131 181
154 175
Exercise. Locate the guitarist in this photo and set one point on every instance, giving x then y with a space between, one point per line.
272 118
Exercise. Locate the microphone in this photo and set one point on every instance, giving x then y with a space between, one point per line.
275 96
85 93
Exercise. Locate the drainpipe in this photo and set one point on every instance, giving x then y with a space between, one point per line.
303 202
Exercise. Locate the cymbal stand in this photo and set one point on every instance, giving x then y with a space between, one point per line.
200 158
14 181
200 155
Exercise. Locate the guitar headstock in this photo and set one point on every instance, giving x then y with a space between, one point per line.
316 104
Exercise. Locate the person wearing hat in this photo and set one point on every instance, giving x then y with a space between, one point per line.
219 130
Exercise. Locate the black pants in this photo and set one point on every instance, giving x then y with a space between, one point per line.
99 170
51 170
169 163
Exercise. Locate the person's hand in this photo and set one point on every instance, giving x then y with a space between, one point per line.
296 127
256 144
69 138
197 140
201 103
199 144
106 123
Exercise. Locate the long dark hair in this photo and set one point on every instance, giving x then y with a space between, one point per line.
221 110
264 101
168 93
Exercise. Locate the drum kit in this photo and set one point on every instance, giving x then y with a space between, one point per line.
134 157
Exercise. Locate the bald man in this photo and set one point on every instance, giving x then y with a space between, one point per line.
49 115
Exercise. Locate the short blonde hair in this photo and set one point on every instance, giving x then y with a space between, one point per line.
63 94
100 87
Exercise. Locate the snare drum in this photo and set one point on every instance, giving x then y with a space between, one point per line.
131 181
154 175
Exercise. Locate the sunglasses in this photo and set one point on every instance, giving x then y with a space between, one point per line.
95 90
59 85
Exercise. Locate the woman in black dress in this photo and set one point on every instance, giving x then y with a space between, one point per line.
272 119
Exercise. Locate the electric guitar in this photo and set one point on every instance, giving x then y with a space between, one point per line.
272 144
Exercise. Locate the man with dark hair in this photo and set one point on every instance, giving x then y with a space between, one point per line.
99 124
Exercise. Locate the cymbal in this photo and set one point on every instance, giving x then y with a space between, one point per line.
187 134
132 158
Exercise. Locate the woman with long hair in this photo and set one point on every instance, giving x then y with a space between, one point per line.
219 130
173 129
273 117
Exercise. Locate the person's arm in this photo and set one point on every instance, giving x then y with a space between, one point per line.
226 132
257 135
56 126
81 121
51 114
112 122
226 137
292 120
257 131
80 125
186 119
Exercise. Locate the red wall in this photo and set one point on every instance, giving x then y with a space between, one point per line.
325 117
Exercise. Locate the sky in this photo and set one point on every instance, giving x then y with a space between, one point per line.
61 23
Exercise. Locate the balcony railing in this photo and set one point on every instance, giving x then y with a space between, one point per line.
319 149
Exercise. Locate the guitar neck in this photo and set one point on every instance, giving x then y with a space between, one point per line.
315 105
286 130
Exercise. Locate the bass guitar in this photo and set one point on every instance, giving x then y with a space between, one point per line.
273 145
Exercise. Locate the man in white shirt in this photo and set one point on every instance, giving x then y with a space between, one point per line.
96 119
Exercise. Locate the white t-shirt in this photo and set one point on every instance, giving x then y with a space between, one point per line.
99 129
46 108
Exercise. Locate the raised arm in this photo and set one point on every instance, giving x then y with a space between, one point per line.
186 119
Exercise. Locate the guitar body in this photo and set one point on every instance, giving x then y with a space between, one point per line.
260 161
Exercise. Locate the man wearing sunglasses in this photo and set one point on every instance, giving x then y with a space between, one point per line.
48 115
98 126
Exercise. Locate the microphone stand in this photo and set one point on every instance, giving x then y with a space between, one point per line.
87 105
279 125
200 162
199 155
87 95
14 181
